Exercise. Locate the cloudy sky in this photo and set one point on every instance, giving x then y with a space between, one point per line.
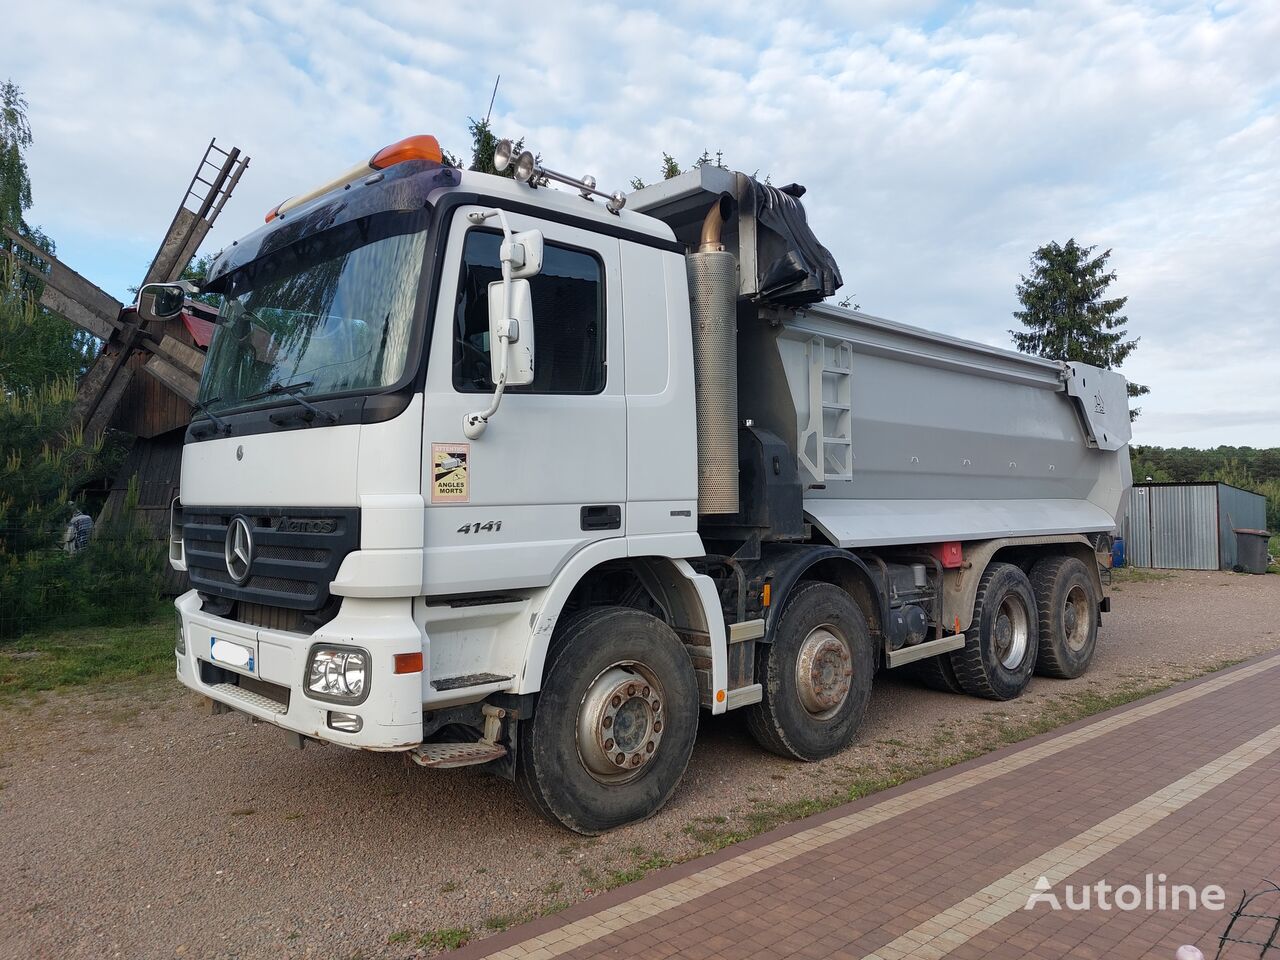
941 143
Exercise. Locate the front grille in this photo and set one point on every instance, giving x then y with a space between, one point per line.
296 553
276 585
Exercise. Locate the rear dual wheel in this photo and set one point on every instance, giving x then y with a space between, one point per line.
999 655
1067 603
1046 624
936 673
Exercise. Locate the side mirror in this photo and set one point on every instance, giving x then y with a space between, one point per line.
516 320
526 253
168 299
510 324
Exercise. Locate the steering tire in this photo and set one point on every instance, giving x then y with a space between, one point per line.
615 722
816 675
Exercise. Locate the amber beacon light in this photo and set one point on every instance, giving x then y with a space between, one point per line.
420 147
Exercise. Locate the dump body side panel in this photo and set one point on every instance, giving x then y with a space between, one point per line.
914 437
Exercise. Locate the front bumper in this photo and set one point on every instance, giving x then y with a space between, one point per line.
392 710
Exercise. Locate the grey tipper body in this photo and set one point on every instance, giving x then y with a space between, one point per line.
495 473
906 436
952 440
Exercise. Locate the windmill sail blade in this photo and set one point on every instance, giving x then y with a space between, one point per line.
100 390
177 366
68 294
216 176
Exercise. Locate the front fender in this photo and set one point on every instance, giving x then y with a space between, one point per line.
689 597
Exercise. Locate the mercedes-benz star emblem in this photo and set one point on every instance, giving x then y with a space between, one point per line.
239 551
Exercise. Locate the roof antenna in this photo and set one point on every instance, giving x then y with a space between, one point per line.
489 112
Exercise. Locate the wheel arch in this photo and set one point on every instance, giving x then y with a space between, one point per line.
784 566
688 602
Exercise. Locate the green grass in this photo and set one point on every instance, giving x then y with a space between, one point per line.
66 658
501 921
449 938
554 907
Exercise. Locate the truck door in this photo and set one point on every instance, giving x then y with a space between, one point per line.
548 476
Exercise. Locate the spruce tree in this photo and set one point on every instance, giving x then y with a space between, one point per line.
484 143
1067 313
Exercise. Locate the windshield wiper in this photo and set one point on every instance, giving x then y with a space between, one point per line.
291 390
219 425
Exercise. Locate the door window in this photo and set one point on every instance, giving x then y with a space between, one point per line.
568 316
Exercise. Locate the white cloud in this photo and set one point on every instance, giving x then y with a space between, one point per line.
940 145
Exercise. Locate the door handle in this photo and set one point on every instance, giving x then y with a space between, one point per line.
603 517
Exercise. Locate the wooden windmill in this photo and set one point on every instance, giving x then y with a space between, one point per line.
154 408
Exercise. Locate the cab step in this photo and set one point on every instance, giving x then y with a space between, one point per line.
445 755
442 756
470 680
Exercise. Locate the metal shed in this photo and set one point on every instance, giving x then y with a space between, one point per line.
1189 526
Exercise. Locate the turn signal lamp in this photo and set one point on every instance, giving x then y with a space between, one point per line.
408 662
421 147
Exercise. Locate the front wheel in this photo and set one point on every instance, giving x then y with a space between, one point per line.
816 675
615 723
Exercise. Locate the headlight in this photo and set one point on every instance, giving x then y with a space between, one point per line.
180 641
338 673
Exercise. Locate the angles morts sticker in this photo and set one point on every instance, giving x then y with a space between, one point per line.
450 480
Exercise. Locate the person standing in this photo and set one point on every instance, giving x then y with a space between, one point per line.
79 530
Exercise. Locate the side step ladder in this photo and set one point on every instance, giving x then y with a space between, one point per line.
443 756
826 442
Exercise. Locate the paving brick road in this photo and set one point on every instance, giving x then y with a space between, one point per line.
1183 788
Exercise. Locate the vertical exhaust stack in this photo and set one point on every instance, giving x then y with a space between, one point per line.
713 300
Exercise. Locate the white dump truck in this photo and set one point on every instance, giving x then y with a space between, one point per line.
489 471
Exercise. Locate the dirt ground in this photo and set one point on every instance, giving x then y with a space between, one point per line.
136 826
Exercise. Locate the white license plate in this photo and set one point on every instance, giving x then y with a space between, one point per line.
231 654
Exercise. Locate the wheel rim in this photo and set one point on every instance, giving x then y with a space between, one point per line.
1075 619
1010 632
621 722
824 672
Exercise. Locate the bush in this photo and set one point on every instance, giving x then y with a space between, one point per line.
114 580
47 461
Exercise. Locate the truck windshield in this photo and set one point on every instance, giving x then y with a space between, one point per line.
327 314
